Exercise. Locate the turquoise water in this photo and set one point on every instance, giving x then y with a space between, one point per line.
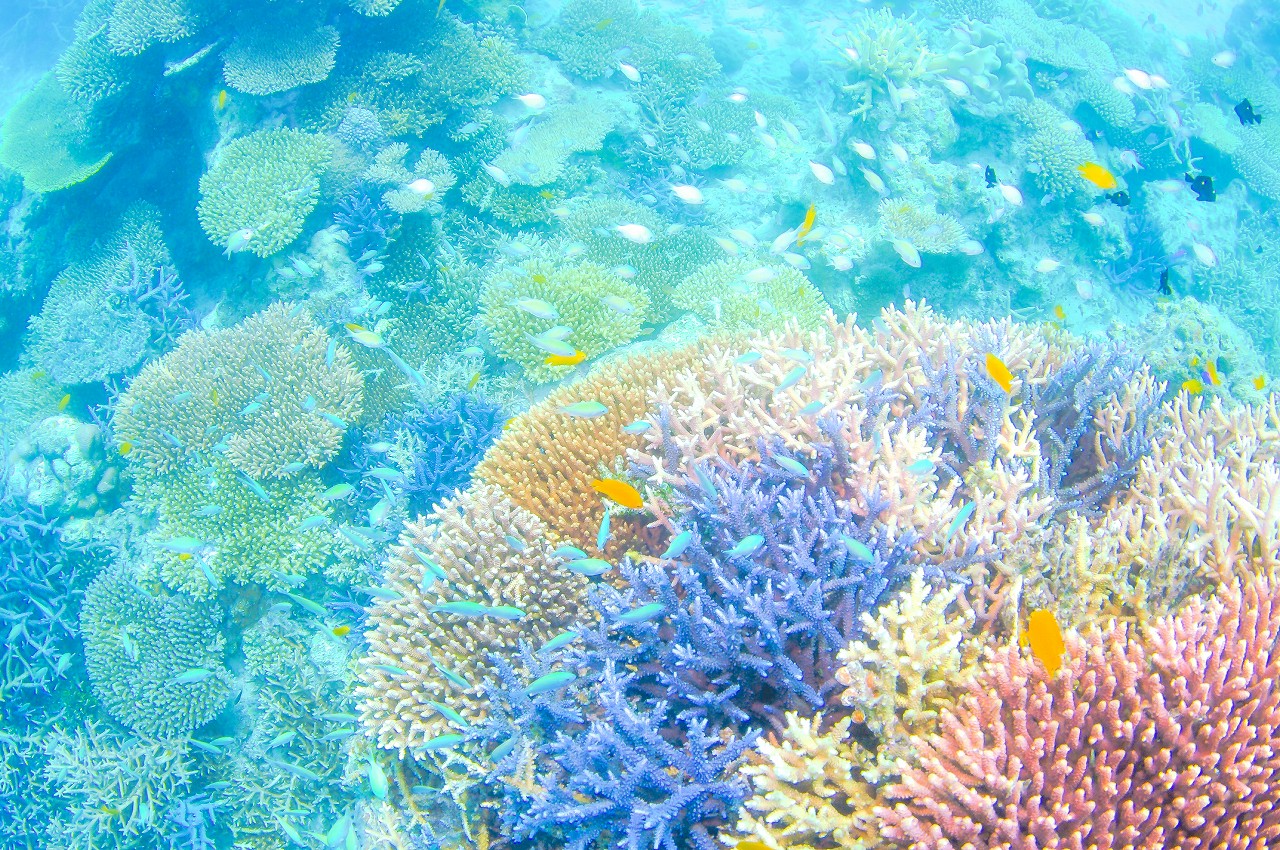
452 424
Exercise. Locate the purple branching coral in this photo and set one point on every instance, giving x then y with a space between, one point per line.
162 298
369 223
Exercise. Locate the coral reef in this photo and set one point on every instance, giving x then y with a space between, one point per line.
730 295
270 59
882 53
47 138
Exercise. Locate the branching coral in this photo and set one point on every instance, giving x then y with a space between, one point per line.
272 58
139 648
388 170
914 220
1162 737
1055 150
563 131
601 310
730 295
262 186
883 53
136 25
492 554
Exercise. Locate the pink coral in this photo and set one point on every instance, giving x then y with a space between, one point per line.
1168 737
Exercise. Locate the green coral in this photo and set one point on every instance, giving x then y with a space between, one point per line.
1258 161
138 24
1054 43
136 647
577 292
1055 149
730 296
48 139
715 133
257 392
1112 105
564 130
115 786
266 183
388 169
267 60
915 220
881 51
89 69
26 397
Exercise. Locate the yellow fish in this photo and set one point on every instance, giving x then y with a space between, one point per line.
107 810
603 24
341 631
475 379
539 278
619 491
64 401
1059 313
566 360
222 99
1098 176
1211 369
1260 382
37 375
184 556
125 448
1194 386
1045 639
810 216
213 396
547 194
1000 373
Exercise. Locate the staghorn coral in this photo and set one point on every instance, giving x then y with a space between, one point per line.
254 392
914 220
722 295
881 52
137 25
715 133
279 56
1054 150
266 184
576 291
136 645
388 170
469 537
562 131
1162 737
47 138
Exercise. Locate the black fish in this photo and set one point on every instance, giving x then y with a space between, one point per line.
1165 287
1203 187
991 178
1120 199
1244 111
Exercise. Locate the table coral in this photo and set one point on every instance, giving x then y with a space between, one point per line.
728 298
137 645
561 132
48 139
279 56
1159 737
266 184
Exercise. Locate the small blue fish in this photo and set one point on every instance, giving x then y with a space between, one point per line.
559 641
209 510
338 735
505 612
312 522
813 408
335 421
796 354
705 483
503 750
377 779
206 747
255 487
191 677
337 491
170 439
451 715
792 378
295 770
550 682
961 518
309 403
515 542
331 352
452 677
461 608
748 358
573 553
443 742
678 544
746 546
384 473
858 549
379 592
589 566
339 717
871 380
792 465
282 740
602 537
302 601
293 467
921 467
391 669
584 409
266 376
178 398
642 614
250 408
430 565
638 427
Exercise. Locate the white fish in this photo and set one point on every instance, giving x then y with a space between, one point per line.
907 252
733 184
838 166
1141 79
760 275
629 71
1159 82
1169 187
1122 85
824 174
1204 254
574 250
1048 265
874 181
768 141
496 173
536 307
730 247
1084 288
1184 49
957 87
689 194
618 304
703 125
743 237
624 272
841 263
737 97
649 139
784 240
790 129
1094 218
238 241
1011 194
899 152
1224 59
533 101
863 150
796 261
559 212
422 187
970 247
636 233
761 121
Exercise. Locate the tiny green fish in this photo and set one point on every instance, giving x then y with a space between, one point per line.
220 785
515 542
430 565
642 614
441 742
678 544
255 488
338 717
871 380
813 408
205 746
550 682
380 592
251 408
453 678
792 465
589 566
858 549
921 467
561 640
462 608
377 779
311 522
191 677
505 612
391 669
796 354
792 378
384 473
637 427
705 484
337 491
602 536
182 545
503 750
961 518
338 833
293 467
291 832
338 734
314 607
748 358
282 740
450 714
573 553
584 409
746 546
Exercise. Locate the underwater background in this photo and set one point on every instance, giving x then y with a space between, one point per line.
615 424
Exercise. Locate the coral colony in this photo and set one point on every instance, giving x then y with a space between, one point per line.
449 425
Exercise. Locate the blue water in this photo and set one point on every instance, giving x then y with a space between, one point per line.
276 277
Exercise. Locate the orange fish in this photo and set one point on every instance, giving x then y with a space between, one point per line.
619 491
1000 373
341 631
1045 639
565 359
1098 176
805 226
